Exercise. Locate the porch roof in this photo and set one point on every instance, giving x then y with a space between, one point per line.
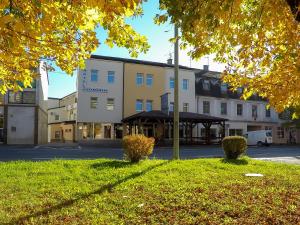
183 117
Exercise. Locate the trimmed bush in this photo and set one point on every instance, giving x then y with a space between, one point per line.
137 147
234 146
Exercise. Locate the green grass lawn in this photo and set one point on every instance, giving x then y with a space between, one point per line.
202 191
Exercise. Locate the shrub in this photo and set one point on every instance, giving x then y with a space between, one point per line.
234 146
137 147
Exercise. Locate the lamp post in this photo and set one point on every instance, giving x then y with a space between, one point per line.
176 97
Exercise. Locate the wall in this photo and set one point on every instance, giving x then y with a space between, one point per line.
61 111
132 92
22 118
102 90
215 109
53 103
42 87
42 127
185 96
68 100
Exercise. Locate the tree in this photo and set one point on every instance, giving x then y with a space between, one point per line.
258 40
61 31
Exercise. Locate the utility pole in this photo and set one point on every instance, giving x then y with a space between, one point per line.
176 98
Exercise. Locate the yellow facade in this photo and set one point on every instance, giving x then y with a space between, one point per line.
133 92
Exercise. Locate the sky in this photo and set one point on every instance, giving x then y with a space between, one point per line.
61 84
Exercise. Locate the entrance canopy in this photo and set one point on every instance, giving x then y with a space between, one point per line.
188 121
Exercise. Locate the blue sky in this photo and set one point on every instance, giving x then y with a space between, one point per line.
61 84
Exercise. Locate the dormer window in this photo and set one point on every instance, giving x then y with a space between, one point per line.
240 90
224 88
206 85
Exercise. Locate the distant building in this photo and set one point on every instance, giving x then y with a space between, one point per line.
23 115
62 116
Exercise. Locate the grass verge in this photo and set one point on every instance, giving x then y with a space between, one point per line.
201 191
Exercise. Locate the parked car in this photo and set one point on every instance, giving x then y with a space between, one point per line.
259 137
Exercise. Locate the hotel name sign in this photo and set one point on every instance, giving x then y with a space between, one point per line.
89 89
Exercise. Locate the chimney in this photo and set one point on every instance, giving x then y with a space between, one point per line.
170 61
205 67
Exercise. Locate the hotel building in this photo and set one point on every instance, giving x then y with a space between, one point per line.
110 89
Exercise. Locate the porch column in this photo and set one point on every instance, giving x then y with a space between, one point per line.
207 132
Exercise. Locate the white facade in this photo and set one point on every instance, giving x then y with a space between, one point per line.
185 96
240 124
102 90
100 99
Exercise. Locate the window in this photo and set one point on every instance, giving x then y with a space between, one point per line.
185 84
224 88
185 107
139 105
149 105
254 111
223 108
268 112
171 107
139 79
15 97
280 132
26 97
206 107
94 102
268 128
111 77
172 83
149 80
29 97
239 109
94 75
110 104
56 117
206 85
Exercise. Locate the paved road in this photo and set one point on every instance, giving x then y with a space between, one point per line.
10 153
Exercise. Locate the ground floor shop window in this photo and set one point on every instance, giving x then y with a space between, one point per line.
280 132
235 132
94 131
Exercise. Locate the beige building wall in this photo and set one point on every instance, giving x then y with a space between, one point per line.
132 92
68 100
62 132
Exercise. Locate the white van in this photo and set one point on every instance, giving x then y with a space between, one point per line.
259 137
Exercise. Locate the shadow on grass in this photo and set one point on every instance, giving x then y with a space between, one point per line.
241 161
111 164
107 187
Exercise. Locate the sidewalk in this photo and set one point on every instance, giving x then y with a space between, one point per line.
290 160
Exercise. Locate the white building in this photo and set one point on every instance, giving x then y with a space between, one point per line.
100 99
23 115
214 98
